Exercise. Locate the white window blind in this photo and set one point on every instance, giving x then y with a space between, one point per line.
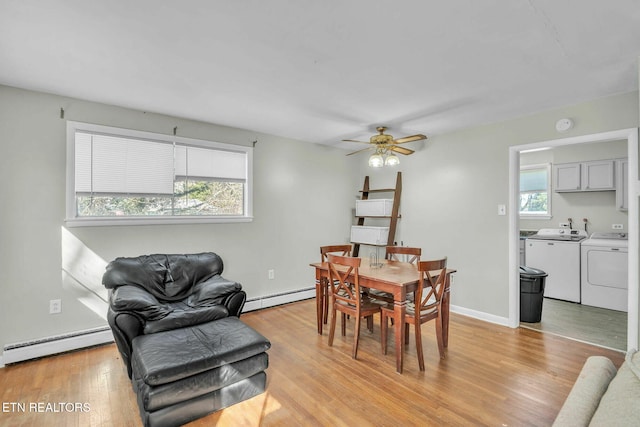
533 180
203 163
83 163
535 191
121 176
114 165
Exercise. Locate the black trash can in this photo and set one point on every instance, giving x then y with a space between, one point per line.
531 294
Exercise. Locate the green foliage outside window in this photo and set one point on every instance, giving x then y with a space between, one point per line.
533 203
189 198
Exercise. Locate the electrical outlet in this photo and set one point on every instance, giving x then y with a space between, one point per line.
55 306
617 226
272 274
502 209
564 225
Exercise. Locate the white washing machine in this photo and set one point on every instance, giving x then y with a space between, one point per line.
604 278
557 253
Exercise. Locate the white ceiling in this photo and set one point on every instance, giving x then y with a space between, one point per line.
321 71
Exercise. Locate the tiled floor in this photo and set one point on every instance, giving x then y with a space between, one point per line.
607 328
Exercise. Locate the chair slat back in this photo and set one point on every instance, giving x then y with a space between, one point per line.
343 250
433 276
343 289
413 254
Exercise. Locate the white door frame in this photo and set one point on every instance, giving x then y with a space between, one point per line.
631 135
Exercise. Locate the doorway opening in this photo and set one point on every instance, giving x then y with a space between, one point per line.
631 138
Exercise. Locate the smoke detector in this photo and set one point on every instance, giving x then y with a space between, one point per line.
564 125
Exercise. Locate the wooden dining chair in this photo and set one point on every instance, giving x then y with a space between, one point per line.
347 298
322 289
397 253
411 255
427 306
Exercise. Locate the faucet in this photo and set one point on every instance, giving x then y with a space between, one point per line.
570 223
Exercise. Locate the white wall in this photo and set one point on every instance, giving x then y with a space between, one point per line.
304 196
454 183
300 203
599 207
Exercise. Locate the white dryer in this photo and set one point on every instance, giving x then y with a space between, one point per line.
604 271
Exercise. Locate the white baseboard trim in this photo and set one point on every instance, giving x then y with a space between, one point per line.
14 353
302 294
504 321
19 352
278 299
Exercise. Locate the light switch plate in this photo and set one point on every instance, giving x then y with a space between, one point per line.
55 306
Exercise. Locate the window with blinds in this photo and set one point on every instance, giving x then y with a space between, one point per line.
535 191
125 176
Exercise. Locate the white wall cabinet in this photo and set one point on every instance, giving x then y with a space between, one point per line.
598 175
566 177
584 176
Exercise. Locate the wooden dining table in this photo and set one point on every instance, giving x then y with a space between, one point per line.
397 278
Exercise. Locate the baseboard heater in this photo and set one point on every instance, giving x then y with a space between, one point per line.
19 352
279 299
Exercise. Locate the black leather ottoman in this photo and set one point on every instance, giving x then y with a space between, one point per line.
184 374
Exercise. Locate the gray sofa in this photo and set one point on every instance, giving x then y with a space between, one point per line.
602 396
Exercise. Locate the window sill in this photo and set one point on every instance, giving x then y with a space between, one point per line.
525 216
110 222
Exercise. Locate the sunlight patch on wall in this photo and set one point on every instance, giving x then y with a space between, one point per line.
82 271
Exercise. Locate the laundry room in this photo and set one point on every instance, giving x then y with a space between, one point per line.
573 224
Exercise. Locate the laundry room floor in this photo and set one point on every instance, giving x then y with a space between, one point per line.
606 328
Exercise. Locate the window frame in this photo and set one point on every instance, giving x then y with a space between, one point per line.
71 220
531 215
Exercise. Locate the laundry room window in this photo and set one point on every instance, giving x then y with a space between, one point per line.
535 191
126 177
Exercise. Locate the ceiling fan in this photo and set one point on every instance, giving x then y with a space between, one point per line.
385 147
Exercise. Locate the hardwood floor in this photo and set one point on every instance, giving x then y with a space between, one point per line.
493 376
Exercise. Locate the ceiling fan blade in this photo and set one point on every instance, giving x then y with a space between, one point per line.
411 138
401 150
353 140
359 151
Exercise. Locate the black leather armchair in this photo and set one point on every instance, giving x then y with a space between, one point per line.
154 293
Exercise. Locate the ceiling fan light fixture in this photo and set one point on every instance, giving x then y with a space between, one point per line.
376 160
391 160
386 147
